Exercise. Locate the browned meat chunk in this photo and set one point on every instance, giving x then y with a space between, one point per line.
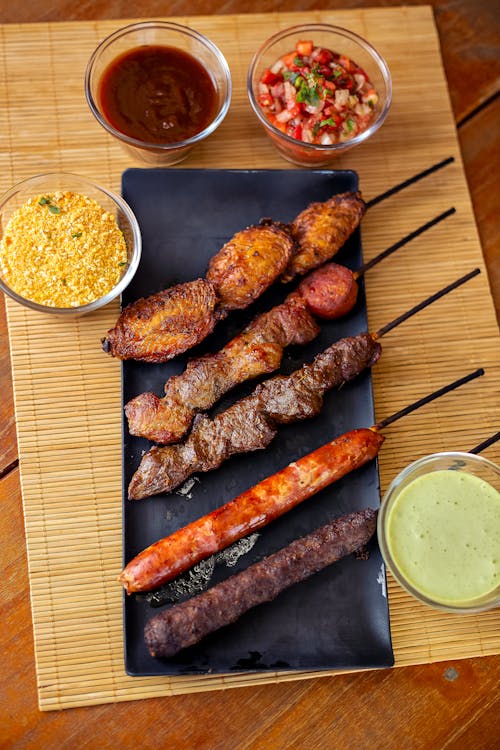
321 230
157 328
248 264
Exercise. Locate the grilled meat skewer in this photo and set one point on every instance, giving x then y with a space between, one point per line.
251 423
258 350
163 325
157 328
328 293
186 623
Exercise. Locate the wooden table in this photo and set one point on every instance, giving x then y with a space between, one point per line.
450 704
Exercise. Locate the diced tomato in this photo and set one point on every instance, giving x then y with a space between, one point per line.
270 78
304 48
265 100
330 85
296 132
345 62
324 56
289 61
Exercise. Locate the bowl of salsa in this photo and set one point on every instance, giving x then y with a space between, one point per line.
318 90
158 87
439 531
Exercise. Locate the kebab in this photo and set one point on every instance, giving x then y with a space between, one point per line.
167 558
252 422
328 293
158 327
186 623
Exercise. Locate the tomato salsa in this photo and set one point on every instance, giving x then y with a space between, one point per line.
157 94
317 96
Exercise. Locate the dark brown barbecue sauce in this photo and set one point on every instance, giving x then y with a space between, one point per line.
157 94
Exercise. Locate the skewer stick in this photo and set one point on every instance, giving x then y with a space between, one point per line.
427 399
486 443
410 181
409 237
425 303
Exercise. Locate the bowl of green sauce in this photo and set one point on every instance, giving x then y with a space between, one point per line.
439 531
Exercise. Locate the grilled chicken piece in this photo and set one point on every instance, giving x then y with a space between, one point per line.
249 263
321 230
157 328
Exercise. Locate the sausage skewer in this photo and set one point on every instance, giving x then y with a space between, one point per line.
186 623
269 499
329 292
251 423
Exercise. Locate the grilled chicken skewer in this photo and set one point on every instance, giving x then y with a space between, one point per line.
159 327
328 293
271 498
251 423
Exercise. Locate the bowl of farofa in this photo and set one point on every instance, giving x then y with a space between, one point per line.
67 245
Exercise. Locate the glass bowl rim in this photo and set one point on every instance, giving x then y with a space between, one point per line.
127 276
341 31
176 27
385 506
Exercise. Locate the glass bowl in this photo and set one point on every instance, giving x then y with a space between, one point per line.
50 183
335 39
163 34
425 530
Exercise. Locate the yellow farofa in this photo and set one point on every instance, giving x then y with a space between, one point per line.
62 249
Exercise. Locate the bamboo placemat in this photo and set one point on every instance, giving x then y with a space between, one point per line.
67 392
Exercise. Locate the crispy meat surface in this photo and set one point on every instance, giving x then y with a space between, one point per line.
321 230
157 328
249 263
251 423
256 351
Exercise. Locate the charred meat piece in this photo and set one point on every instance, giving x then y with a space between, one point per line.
258 350
187 623
157 328
326 292
321 230
251 423
249 263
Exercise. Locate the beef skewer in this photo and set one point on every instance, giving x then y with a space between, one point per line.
167 558
328 293
252 422
186 623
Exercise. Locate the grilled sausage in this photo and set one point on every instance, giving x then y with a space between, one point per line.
258 506
186 623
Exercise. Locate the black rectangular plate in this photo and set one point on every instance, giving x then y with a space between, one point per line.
338 618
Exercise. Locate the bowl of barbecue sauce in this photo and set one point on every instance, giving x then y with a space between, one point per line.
159 88
439 531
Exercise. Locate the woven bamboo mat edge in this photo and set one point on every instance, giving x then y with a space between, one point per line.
77 689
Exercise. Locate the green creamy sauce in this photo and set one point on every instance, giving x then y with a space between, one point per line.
443 533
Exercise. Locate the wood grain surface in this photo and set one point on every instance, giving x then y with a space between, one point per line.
450 704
